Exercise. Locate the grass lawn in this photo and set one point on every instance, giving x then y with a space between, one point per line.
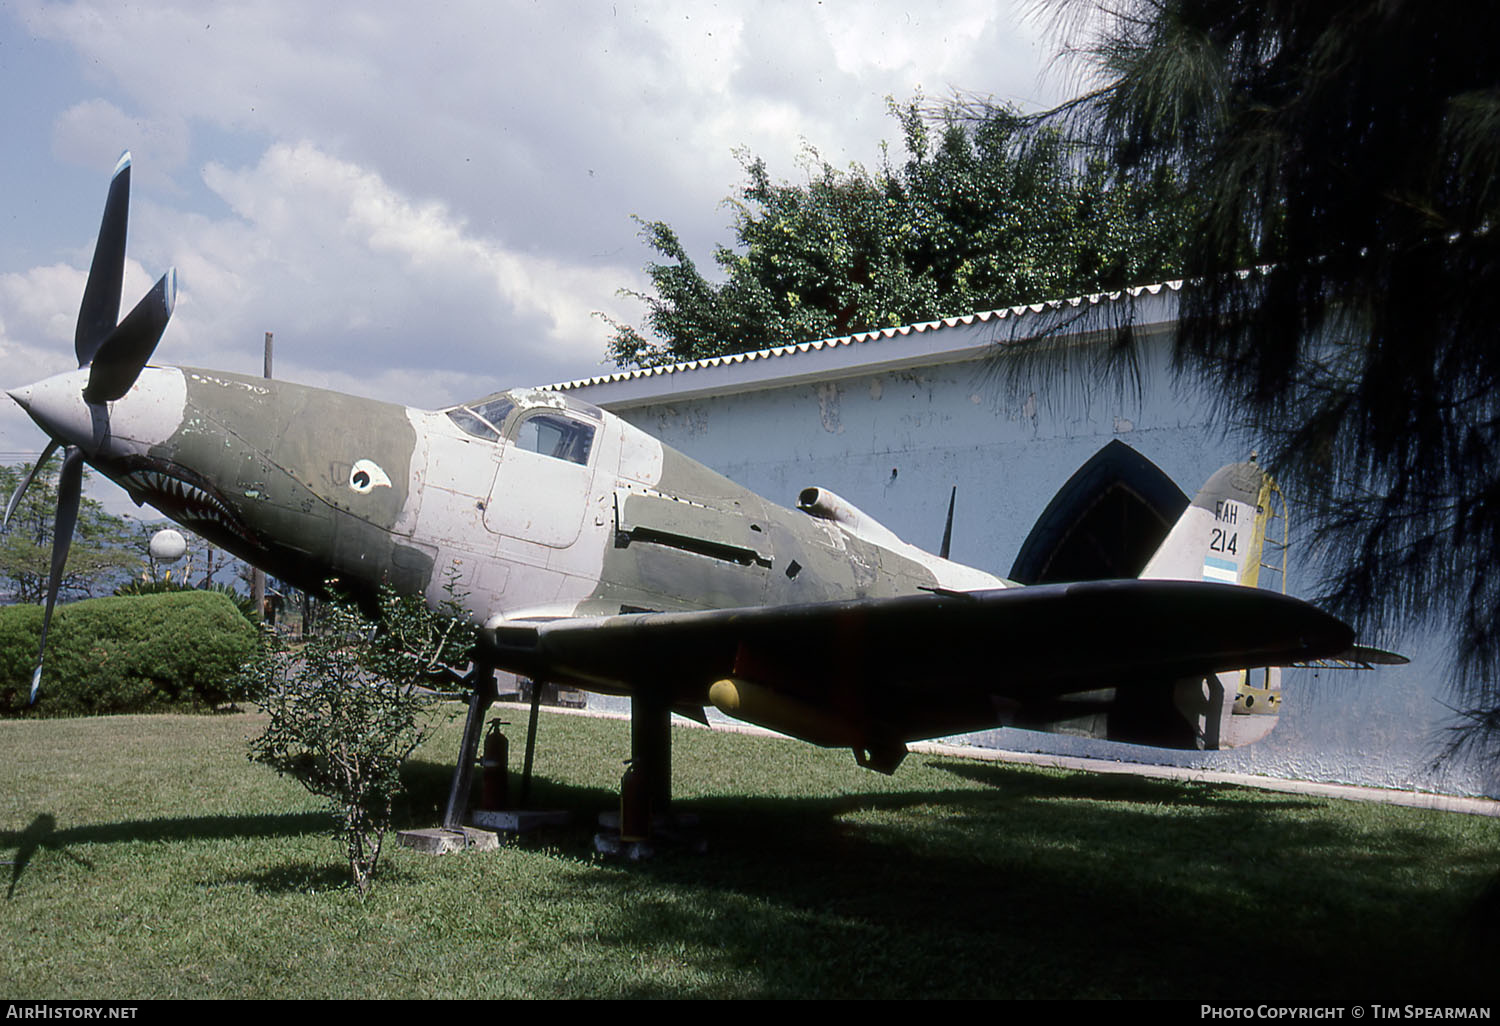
152 860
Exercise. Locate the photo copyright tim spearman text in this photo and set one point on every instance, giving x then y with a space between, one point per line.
1344 1011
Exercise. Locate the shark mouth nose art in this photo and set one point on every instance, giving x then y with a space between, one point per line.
179 494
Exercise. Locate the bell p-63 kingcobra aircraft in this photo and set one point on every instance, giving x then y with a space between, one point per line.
592 555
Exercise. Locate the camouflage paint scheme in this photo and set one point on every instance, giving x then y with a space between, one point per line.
592 554
270 470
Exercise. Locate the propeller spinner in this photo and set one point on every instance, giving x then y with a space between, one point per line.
115 351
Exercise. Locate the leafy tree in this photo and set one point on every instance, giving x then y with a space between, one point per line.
345 711
101 555
1351 152
981 215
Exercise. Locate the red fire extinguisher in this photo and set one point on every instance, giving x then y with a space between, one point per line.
495 769
635 805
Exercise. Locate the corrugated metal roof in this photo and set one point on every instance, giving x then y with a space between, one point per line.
867 337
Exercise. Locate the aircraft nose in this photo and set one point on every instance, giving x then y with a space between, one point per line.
148 415
57 406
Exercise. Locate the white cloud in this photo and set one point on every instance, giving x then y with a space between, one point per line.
427 202
88 134
481 102
40 307
429 189
36 341
38 314
352 272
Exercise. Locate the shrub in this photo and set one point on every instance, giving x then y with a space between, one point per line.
243 603
145 653
345 712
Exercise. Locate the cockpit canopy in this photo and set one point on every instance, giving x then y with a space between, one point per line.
534 420
485 418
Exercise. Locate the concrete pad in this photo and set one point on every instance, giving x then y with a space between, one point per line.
519 821
673 833
437 841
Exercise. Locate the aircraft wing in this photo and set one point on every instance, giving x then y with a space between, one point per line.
928 664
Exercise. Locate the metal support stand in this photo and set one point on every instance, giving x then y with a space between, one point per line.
523 820
651 748
482 679
536 702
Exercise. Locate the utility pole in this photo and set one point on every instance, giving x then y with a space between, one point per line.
258 576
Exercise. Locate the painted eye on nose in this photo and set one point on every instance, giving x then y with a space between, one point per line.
366 476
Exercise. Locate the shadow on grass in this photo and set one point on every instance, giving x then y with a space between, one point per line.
42 833
297 877
39 833
314 878
976 880
1039 885
425 795
421 805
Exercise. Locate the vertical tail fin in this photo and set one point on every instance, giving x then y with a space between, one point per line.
1225 535
1222 535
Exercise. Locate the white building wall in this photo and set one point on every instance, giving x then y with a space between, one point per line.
894 436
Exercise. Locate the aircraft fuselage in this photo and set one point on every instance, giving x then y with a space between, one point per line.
556 509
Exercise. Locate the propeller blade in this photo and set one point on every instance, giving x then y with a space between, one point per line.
120 357
15 497
101 296
69 491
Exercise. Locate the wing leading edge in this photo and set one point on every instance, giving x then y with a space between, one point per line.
874 673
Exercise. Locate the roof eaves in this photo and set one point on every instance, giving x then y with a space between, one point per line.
867 337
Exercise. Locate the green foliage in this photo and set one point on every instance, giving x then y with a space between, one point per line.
165 586
345 712
117 655
101 554
1351 152
981 215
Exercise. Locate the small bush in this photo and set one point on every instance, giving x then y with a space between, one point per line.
345 712
243 603
145 653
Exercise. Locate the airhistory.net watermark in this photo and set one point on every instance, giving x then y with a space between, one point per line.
50 1010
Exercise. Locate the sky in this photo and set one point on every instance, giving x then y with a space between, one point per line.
427 203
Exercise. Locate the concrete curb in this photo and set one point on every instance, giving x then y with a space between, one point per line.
1348 792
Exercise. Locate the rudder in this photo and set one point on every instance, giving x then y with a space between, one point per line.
1223 536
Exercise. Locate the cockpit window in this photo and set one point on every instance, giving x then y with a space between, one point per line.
472 424
483 419
495 410
555 435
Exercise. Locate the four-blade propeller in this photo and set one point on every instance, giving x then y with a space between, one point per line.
115 351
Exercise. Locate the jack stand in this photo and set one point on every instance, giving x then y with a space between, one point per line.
453 835
482 679
536 703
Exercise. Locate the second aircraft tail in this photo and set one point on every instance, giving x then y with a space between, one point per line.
1222 536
